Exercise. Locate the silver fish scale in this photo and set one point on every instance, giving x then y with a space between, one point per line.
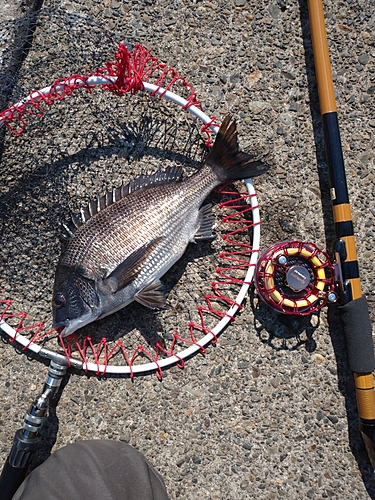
169 211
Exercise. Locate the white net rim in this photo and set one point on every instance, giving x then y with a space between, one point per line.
199 344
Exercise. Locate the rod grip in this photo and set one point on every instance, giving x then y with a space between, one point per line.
357 329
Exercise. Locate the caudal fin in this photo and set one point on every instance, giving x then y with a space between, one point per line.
227 161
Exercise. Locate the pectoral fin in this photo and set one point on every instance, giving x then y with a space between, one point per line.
152 296
126 272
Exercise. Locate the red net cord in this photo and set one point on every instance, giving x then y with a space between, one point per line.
125 75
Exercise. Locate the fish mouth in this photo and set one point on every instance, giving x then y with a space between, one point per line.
60 324
70 326
63 328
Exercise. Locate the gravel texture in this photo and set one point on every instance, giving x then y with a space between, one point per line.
269 411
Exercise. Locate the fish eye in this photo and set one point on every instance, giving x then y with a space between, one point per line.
59 300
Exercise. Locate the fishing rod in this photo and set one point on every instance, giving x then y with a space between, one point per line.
353 308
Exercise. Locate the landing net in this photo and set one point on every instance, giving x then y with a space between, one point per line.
117 114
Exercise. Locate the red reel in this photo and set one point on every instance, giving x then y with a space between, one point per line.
294 277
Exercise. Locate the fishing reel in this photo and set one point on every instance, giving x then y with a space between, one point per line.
296 278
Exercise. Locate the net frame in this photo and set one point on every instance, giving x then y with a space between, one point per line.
123 78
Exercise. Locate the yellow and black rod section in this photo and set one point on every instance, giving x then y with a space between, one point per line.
353 306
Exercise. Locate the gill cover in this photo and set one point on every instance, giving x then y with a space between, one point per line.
74 297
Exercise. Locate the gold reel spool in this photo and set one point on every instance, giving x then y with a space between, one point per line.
295 277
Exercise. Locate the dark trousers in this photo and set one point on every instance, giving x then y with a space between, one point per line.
94 470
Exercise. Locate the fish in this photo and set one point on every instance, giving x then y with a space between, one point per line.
125 241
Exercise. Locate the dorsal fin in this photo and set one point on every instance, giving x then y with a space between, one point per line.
171 174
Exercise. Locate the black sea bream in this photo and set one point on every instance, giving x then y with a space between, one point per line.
124 247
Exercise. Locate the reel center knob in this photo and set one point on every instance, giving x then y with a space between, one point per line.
297 278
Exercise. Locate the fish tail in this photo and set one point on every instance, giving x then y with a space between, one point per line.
227 161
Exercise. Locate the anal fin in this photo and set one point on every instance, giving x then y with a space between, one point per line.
152 296
207 223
